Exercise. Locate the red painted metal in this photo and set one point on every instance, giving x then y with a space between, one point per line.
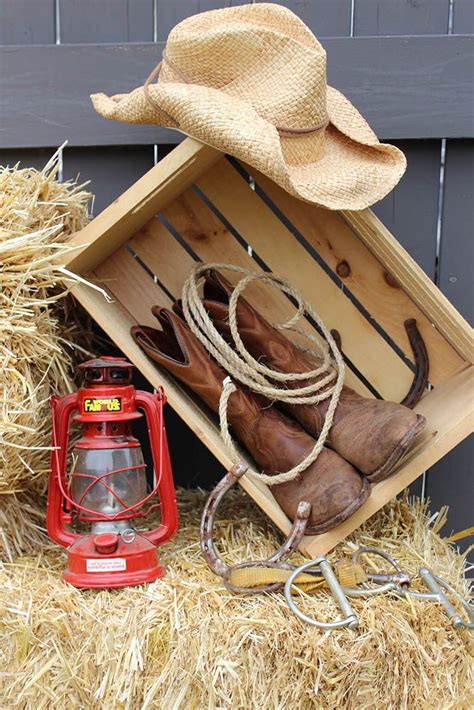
129 564
106 406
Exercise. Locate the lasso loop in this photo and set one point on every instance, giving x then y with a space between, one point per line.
328 377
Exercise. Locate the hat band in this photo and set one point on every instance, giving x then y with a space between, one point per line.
284 131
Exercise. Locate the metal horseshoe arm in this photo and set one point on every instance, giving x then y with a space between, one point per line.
213 559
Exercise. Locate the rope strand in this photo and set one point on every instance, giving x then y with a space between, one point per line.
259 378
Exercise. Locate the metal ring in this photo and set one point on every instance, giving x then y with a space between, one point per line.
128 535
350 618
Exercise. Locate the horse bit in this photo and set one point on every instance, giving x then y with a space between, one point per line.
397 582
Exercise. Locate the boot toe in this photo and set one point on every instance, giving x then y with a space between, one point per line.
374 437
333 488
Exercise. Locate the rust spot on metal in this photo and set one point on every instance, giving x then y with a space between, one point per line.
390 280
343 269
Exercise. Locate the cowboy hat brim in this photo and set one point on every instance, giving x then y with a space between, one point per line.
353 170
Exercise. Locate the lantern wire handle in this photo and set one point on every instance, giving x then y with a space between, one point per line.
122 514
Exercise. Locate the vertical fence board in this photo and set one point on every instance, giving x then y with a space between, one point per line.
457 243
463 17
451 479
170 12
110 170
27 157
404 17
451 483
99 21
326 18
27 22
410 210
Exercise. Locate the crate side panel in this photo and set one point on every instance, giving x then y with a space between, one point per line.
283 254
365 277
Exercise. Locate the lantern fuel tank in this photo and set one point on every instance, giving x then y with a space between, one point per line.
100 494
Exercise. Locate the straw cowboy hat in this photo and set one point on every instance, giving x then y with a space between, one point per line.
251 81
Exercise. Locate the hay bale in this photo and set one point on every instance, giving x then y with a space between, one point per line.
37 215
186 642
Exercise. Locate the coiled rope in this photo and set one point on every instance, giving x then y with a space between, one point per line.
245 369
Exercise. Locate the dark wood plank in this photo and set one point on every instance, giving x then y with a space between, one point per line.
463 17
27 157
170 12
27 22
407 87
451 482
410 211
90 21
326 18
457 244
111 170
401 17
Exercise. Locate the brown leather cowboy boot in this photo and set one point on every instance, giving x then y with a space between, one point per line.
371 434
276 443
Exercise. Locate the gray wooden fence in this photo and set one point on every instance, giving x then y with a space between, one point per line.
406 64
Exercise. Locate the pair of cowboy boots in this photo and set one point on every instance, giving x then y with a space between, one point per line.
373 437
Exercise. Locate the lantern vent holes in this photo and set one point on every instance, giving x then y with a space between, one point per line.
119 374
93 376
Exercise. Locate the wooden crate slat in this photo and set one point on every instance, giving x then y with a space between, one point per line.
413 280
272 241
128 282
163 254
389 305
212 242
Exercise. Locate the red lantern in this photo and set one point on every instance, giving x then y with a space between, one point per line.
107 487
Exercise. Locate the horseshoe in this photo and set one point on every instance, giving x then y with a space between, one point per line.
422 364
217 564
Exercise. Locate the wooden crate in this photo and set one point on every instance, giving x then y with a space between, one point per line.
197 204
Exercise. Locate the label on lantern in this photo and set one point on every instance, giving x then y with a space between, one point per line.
111 564
102 404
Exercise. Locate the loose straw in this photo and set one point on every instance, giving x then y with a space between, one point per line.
327 379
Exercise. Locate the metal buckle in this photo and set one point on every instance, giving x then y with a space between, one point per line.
350 618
